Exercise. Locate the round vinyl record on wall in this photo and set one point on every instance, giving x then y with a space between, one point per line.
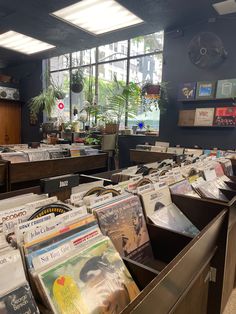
206 50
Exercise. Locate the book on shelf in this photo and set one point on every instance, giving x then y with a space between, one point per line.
93 281
225 116
205 90
226 89
204 117
187 91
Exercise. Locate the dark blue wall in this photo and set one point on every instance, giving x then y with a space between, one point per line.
178 68
30 84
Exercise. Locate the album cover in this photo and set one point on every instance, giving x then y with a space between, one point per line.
226 89
183 187
172 218
186 117
225 116
205 90
210 190
11 270
187 91
50 253
204 117
20 300
124 222
93 281
154 200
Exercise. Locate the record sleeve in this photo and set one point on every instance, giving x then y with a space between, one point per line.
172 218
205 90
225 116
226 89
93 281
204 117
187 91
186 117
20 300
124 222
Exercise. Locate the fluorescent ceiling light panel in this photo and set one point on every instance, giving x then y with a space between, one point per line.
22 43
225 7
98 16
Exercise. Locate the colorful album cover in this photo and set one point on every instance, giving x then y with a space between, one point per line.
204 117
205 90
124 222
18 301
183 187
187 91
93 281
226 89
225 116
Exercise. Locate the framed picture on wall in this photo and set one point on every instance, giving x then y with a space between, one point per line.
187 91
225 116
226 89
204 117
205 90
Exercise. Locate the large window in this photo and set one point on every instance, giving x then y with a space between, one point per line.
136 60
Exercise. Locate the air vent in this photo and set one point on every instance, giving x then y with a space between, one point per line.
225 7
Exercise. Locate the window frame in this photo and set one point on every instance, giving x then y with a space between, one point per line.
129 57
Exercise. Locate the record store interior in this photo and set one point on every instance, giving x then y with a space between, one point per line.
117 157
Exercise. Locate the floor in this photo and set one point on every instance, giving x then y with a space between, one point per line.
231 306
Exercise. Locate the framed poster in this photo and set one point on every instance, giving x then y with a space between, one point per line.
186 117
187 91
225 116
226 89
204 117
205 90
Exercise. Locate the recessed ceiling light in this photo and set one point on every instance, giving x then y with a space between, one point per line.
98 16
22 43
225 7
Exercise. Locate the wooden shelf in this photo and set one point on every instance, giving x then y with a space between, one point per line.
205 126
208 100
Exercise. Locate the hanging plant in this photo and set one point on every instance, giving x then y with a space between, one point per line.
155 94
77 81
46 100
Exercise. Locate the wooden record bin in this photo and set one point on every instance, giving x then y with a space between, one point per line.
229 280
187 273
27 174
143 157
185 281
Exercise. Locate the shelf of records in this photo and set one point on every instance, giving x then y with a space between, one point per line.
207 90
163 150
116 249
22 153
208 117
15 175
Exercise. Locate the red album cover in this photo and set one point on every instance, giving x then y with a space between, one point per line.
225 116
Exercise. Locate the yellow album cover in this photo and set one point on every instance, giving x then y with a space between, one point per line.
94 281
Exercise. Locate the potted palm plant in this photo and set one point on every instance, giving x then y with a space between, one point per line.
122 99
